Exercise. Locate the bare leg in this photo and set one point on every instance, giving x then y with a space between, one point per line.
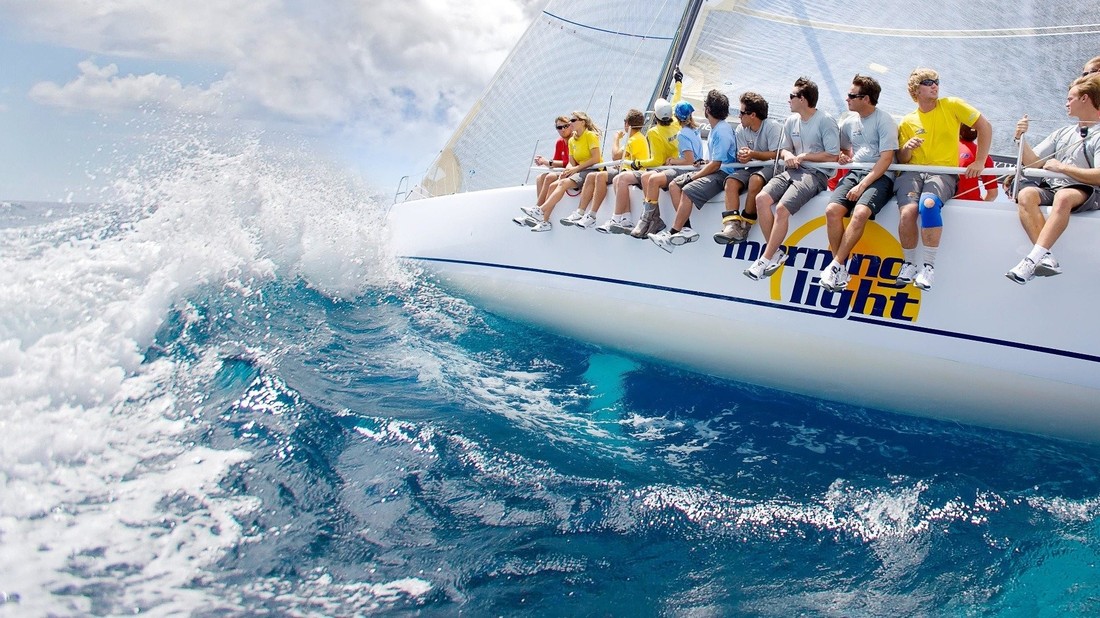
1065 201
1031 216
907 226
834 227
852 233
779 231
767 216
756 183
556 193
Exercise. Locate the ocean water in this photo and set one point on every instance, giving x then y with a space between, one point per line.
220 395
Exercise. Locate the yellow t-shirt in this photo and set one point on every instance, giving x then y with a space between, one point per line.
663 144
940 130
636 149
580 147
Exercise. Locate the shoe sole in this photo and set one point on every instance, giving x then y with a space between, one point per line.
1015 279
1044 271
525 221
566 222
751 275
666 247
922 287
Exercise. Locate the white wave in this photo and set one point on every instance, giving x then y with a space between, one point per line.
95 447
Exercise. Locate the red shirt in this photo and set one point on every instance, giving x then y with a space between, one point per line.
561 152
968 187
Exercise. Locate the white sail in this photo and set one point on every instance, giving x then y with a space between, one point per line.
600 57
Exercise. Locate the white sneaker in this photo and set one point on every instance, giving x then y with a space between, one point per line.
662 240
907 273
587 221
535 212
623 226
684 236
828 277
573 217
1022 272
777 261
1048 266
756 271
840 283
541 226
605 227
925 278
524 221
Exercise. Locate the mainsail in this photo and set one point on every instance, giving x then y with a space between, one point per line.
606 57
600 57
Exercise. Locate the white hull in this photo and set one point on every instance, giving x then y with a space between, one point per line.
976 348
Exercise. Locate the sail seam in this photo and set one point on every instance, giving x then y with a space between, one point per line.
605 30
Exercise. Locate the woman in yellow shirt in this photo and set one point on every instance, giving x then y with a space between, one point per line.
584 153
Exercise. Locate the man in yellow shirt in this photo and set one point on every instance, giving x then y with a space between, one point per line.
929 135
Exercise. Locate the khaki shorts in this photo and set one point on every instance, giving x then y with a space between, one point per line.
1046 193
910 185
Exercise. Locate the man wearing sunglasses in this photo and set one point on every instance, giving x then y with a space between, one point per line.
809 136
929 135
869 135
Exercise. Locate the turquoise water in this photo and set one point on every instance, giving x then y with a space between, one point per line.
230 401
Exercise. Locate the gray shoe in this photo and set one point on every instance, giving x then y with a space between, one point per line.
640 229
741 229
655 224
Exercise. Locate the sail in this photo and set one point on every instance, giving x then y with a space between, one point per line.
1005 59
600 57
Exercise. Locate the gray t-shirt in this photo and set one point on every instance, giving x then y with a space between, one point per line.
1066 145
868 137
763 140
818 134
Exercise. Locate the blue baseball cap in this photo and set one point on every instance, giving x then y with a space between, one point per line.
684 110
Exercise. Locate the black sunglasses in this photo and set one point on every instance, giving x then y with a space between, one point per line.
929 82
855 96
1087 73
574 120
561 126
796 96
744 113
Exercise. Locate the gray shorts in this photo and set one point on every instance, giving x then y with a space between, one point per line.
669 176
793 188
702 190
578 178
1046 193
742 175
875 197
910 185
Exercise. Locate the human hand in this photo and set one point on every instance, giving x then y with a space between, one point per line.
974 169
678 75
855 192
913 143
744 155
844 159
1021 127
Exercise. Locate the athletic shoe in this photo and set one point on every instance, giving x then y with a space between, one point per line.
905 276
835 278
587 221
573 217
925 278
756 271
662 240
1022 272
655 224
605 227
535 212
725 237
828 277
776 261
622 225
541 226
640 228
683 237
1048 266
525 221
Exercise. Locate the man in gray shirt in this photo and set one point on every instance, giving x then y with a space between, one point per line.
758 139
869 135
809 136
1071 151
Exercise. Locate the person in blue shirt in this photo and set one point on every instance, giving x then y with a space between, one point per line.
698 187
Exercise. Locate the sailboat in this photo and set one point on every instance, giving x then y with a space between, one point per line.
976 349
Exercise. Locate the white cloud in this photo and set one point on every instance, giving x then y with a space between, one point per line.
103 89
328 62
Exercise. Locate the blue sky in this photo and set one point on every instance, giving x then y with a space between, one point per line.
375 87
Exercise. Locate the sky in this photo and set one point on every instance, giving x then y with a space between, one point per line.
376 87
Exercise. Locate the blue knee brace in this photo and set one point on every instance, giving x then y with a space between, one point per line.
930 215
